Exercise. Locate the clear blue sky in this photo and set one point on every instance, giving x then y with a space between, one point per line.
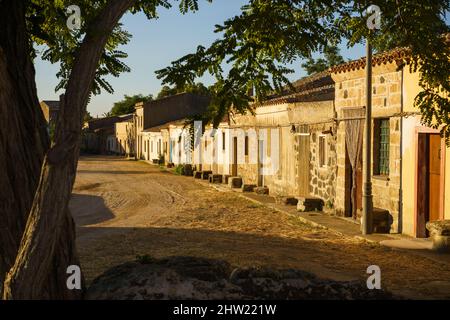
154 45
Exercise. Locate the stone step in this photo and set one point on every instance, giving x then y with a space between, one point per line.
205 175
235 182
197 174
262 190
187 170
248 187
215 178
440 234
308 204
288 201
382 221
225 178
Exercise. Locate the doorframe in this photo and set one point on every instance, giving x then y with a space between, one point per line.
428 130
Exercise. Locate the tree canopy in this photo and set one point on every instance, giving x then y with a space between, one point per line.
270 34
198 88
126 106
331 57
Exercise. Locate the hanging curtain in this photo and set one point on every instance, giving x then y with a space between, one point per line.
354 141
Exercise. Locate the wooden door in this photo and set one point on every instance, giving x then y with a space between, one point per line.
429 191
235 157
434 177
261 160
422 186
359 187
303 165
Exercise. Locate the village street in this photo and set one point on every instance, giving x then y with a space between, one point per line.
126 208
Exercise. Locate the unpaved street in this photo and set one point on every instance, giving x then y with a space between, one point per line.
126 208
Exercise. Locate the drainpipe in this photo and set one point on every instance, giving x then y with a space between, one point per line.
400 207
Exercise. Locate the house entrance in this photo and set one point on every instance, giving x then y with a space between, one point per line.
430 187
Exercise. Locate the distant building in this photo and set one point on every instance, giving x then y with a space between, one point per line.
97 133
160 112
50 109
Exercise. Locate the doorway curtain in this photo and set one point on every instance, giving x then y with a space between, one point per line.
354 142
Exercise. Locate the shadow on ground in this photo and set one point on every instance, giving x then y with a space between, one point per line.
311 253
83 217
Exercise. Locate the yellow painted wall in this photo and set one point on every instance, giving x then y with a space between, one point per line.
447 185
409 155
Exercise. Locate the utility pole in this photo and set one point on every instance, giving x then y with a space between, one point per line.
367 217
373 23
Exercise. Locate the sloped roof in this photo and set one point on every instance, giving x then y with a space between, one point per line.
52 104
398 55
181 122
107 122
317 87
174 108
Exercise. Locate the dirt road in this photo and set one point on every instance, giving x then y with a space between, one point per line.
126 208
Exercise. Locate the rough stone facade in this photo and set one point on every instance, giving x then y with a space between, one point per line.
323 178
387 98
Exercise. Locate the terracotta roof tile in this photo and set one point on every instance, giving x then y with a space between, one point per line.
396 55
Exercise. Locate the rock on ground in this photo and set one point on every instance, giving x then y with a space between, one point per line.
200 279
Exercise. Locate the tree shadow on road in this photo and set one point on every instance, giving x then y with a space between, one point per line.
114 246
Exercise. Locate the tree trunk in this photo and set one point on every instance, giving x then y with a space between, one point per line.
23 135
23 144
47 222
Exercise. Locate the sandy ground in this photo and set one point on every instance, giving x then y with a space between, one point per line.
126 208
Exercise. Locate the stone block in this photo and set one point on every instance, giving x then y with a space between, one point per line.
205 175
197 174
235 182
382 220
261 190
248 187
225 178
308 204
440 234
290 201
187 170
215 178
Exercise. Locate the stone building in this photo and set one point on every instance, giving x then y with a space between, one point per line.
159 112
410 167
50 108
97 134
122 142
288 143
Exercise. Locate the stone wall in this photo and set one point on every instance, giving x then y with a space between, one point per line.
387 97
323 179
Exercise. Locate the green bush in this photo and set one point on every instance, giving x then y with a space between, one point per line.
179 169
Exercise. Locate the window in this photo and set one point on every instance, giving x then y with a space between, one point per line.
381 147
322 152
151 146
223 141
246 145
